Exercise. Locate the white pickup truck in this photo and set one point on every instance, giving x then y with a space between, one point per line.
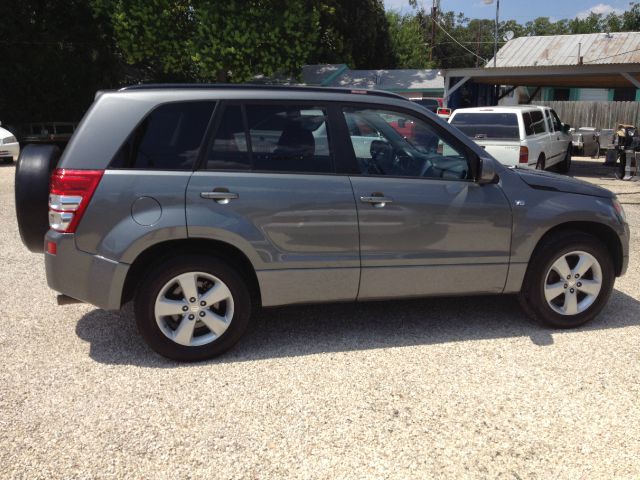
528 135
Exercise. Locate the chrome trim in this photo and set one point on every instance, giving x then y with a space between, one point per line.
60 220
65 203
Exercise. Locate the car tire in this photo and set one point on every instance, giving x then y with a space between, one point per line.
33 173
565 165
194 332
596 154
540 164
577 301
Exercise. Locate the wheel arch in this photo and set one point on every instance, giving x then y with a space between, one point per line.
602 232
172 248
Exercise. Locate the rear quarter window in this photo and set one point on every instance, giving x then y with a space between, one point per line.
487 125
169 138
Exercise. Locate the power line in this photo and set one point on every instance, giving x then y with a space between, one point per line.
456 41
615 55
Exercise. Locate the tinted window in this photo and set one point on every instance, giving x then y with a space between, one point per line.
168 138
397 144
537 121
288 138
549 122
487 125
528 123
229 150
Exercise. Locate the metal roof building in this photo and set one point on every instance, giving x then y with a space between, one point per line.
599 60
554 50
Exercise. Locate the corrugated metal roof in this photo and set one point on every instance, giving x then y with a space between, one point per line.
594 48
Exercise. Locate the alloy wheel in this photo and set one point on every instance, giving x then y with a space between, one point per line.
573 283
194 309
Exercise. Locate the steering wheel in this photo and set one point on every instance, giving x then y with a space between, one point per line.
427 168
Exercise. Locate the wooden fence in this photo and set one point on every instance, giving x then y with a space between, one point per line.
596 114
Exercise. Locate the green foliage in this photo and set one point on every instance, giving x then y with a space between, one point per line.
55 55
407 41
206 40
354 32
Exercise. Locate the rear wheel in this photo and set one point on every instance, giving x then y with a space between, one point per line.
569 280
540 164
192 307
33 171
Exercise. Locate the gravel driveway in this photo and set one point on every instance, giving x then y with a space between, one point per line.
441 388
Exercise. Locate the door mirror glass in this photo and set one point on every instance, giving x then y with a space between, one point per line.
566 127
487 171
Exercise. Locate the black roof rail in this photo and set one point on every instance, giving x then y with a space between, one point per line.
260 86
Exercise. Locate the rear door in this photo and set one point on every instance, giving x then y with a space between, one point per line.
267 185
426 227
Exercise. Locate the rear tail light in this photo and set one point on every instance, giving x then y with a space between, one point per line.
69 196
444 111
524 155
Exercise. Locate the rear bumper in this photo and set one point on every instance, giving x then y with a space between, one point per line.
90 278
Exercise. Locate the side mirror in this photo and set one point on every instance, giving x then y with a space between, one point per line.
566 127
487 172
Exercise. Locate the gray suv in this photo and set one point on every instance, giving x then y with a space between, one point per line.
202 203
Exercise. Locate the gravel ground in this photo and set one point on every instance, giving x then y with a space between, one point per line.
446 388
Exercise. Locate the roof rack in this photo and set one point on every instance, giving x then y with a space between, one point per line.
259 86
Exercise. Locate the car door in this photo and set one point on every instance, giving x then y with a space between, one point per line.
426 227
267 186
559 139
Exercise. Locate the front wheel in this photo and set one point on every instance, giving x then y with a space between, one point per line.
569 280
192 307
565 165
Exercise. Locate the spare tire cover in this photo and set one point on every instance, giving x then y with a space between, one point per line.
33 171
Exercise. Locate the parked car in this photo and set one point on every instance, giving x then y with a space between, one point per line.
586 142
430 103
528 136
9 146
435 105
203 203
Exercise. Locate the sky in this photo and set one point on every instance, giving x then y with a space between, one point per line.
519 10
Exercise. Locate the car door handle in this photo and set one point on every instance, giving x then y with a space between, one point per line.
377 201
220 196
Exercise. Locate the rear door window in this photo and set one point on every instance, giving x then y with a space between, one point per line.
481 125
169 138
537 122
229 149
528 124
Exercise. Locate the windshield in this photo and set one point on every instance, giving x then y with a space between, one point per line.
481 125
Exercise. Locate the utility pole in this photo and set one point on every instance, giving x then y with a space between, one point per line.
495 39
434 16
478 44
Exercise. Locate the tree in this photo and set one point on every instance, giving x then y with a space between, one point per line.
55 54
407 41
354 32
212 40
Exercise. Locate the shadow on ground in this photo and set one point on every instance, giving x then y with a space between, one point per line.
593 169
307 330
